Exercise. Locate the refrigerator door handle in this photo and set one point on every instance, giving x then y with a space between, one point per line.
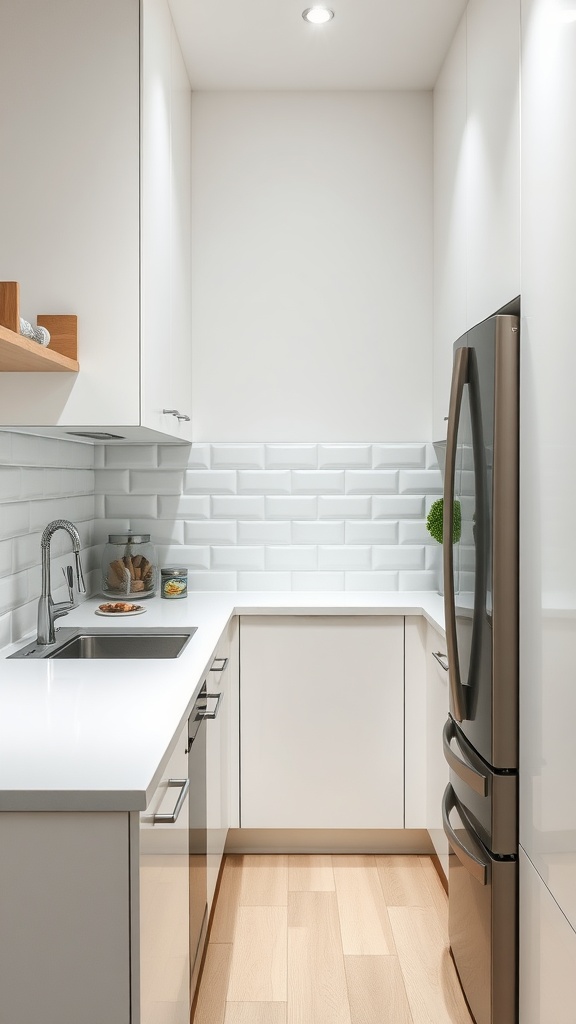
459 379
474 863
477 781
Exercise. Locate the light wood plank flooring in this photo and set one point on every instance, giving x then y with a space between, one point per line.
330 940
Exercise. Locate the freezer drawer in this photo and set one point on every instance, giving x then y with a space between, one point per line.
482 919
490 797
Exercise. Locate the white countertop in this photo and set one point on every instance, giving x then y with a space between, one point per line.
95 735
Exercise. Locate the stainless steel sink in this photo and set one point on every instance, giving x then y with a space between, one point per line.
111 643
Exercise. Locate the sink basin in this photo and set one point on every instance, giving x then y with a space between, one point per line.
111 643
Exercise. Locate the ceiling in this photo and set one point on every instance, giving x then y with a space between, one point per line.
266 44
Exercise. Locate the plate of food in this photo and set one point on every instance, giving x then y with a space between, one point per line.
120 608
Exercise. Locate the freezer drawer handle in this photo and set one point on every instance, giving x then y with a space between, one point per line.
218 668
464 770
169 819
441 659
475 865
213 714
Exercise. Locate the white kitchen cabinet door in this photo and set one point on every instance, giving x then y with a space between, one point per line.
547 953
221 739
111 131
436 715
322 722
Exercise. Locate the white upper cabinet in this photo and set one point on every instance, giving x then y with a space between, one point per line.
476 180
88 160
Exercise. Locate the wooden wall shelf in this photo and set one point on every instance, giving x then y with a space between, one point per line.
22 355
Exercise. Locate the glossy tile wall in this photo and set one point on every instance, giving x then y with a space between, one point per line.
41 479
276 516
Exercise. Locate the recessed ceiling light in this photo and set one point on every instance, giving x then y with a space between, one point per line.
317 15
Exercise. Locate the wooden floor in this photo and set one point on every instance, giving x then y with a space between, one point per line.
330 940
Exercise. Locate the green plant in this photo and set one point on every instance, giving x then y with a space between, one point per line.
435 521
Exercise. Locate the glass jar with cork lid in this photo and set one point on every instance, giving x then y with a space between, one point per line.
129 566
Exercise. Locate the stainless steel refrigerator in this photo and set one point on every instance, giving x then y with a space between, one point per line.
480 544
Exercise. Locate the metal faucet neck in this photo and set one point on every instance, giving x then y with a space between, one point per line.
47 610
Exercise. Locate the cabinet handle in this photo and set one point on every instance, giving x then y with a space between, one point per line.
169 819
441 659
213 714
218 668
177 413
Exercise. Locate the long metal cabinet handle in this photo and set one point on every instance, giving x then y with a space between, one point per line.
441 659
464 770
218 668
169 819
476 866
459 379
213 714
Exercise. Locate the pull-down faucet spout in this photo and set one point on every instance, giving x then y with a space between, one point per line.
48 611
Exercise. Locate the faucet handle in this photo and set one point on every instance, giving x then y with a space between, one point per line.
68 574
79 573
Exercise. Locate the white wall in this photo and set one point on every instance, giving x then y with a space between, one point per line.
312 266
476 181
548 491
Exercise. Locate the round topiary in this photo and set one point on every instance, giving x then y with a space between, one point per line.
435 521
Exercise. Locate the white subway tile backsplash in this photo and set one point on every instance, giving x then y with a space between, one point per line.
183 506
318 532
343 456
263 481
397 506
10 483
392 557
212 581
292 507
413 531
386 581
162 531
291 456
309 481
6 549
242 506
237 558
145 506
373 532
5 627
211 481
237 456
182 457
112 481
198 456
418 581
392 456
190 556
424 481
264 581
371 482
345 507
5 447
317 581
292 557
25 551
352 556
13 591
264 533
211 531
433 557
155 481
14 519
131 456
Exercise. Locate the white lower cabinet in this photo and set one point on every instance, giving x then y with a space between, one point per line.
322 721
160 943
436 714
221 741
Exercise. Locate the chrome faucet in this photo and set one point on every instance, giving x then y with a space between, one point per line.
48 611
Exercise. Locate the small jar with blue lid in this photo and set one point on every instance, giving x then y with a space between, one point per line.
174 583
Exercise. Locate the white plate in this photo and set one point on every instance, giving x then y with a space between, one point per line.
120 615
